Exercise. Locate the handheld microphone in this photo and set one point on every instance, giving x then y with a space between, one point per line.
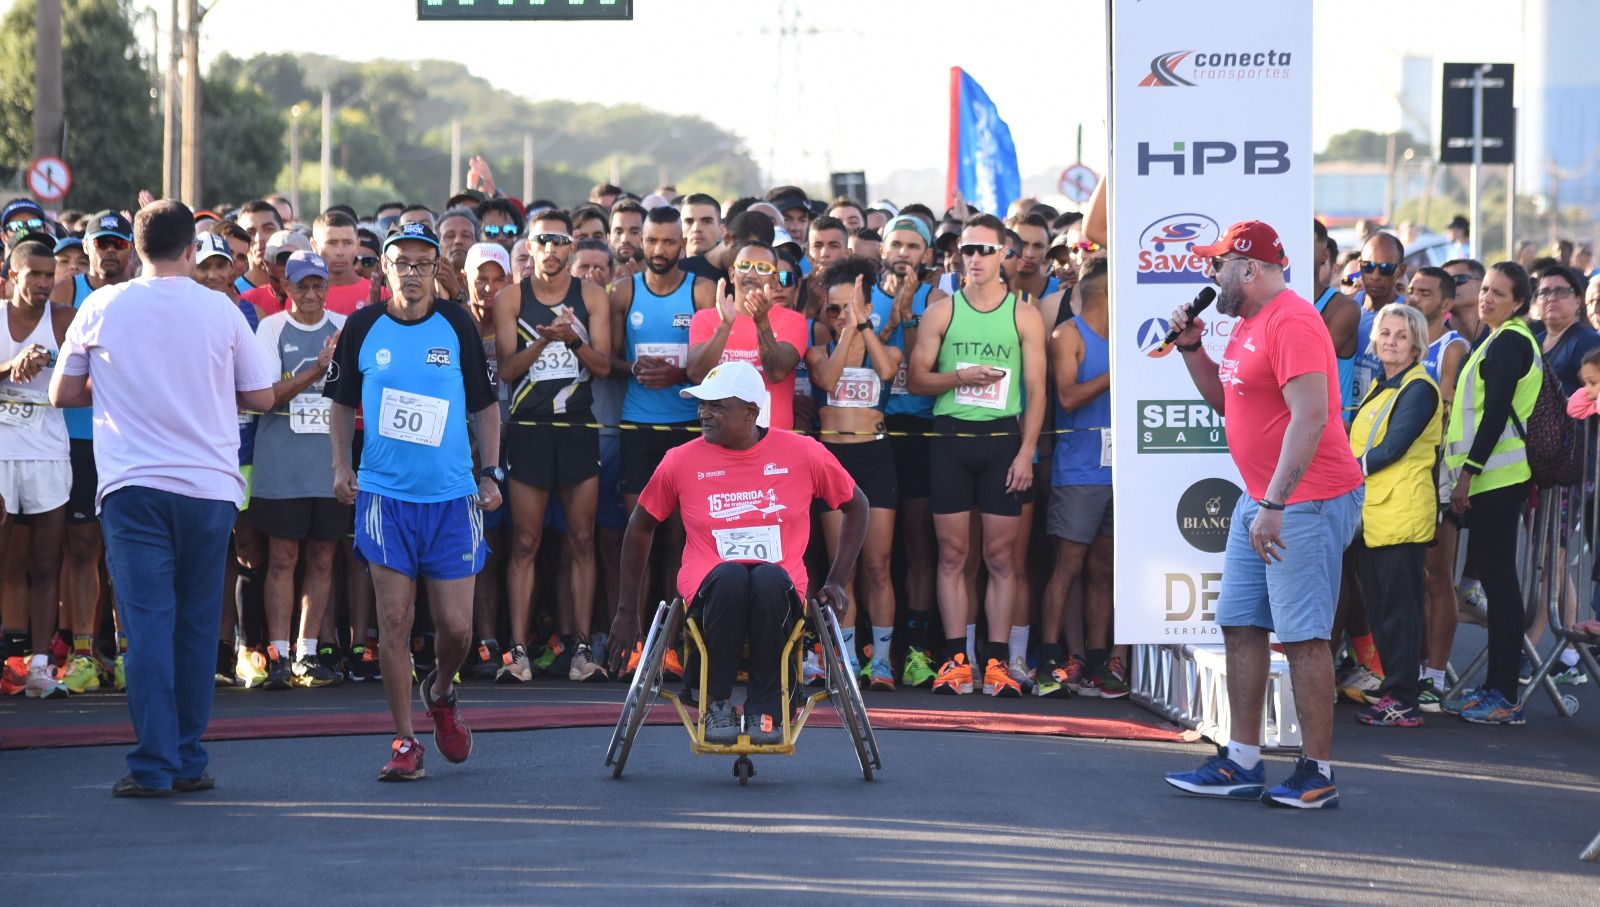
1202 301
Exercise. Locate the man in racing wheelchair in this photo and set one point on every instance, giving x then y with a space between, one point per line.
745 496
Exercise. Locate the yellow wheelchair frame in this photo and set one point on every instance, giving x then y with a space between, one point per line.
840 690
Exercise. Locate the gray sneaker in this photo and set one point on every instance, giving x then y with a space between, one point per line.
764 730
722 724
584 667
516 669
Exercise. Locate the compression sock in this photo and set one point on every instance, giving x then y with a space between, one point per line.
882 643
916 631
1436 675
83 644
1366 652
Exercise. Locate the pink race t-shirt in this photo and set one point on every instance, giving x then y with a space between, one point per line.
745 505
788 326
265 301
1284 340
346 299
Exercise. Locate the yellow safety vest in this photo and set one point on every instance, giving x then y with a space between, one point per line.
1508 461
1400 505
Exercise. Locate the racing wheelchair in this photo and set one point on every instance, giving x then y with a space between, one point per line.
839 689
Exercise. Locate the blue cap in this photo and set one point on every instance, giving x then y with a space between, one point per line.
109 223
67 242
21 204
305 264
418 232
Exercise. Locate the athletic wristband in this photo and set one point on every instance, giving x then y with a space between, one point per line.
1189 348
1265 504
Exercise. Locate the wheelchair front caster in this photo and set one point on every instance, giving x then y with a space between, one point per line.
743 768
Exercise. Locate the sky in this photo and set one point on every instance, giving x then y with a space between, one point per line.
854 84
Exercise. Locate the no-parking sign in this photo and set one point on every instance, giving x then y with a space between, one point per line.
1078 182
49 179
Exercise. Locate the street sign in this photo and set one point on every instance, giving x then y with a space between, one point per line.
849 184
524 9
1499 119
1077 182
49 179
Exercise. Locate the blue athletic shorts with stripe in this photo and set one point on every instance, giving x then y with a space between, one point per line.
440 540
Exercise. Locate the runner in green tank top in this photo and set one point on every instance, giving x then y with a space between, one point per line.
982 356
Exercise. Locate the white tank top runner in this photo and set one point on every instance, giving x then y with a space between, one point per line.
30 428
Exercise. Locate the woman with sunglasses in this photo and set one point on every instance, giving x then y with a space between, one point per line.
1499 382
852 371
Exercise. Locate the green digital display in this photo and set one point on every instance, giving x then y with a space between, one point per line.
568 10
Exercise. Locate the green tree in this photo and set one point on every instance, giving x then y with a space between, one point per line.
244 142
113 131
1368 147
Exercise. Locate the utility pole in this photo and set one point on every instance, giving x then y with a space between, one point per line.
294 156
49 114
455 156
527 166
191 106
327 150
170 166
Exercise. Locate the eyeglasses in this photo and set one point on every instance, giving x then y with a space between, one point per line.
367 261
113 243
1553 293
403 267
1083 246
495 231
27 225
550 239
787 279
984 249
1217 264
1350 280
762 268
1385 268
1462 278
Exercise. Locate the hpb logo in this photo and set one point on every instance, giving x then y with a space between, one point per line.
1166 251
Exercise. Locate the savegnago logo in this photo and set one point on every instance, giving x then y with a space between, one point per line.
1186 68
1166 249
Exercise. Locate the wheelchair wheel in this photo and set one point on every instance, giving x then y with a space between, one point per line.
642 691
843 692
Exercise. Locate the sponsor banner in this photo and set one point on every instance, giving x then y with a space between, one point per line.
1210 124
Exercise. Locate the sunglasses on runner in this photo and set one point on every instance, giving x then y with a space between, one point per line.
550 239
787 279
365 261
27 225
495 231
1350 280
970 249
762 268
1385 268
1462 278
115 243
1085 246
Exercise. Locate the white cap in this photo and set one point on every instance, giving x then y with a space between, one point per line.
734 379
482 253
781 237
209 245
653 201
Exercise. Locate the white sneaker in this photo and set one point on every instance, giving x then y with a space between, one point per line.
584 668
517 669
814 674
42 683
1018 669
1359 682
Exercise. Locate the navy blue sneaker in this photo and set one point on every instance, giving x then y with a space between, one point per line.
1493 708
1306 788
1220 776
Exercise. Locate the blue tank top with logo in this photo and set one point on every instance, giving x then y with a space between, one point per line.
1436 350
901 401
80 419
1079 445
658 326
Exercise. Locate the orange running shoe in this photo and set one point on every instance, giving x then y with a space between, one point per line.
997 681
633 661
955 676
14 677
672 666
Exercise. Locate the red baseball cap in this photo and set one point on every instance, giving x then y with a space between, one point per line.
1250 238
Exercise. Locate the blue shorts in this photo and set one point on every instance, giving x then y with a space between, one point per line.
441 540
1295 597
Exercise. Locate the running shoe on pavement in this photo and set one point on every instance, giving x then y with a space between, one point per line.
1113 681
998 682
331 659
486 661
1305 788
813 673
308 672
1358 682
722 724
918 669
955 676
517 667
1220 776
251 668
584 667
879 675
1490 708
14 676
450 732
42 683
634 658
764 729
405 763
1390 712
1429 698
82 676
1524 670
1018 668
1462 701
1569 676
1045 684
363 664
280 675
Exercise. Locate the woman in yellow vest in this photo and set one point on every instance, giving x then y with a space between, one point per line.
1499 381
1395 436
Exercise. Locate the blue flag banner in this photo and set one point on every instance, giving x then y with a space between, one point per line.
983 161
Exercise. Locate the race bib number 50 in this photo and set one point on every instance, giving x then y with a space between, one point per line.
989 396
749 543
413 418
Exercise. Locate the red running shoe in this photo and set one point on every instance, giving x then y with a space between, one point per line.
450 734
406 763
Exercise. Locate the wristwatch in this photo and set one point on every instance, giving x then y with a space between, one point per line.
493 472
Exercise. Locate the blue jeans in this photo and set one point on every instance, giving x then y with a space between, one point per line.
166 553
1294 597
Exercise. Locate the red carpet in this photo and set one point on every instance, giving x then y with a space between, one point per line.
545 717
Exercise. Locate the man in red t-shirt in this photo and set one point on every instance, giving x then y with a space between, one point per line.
745 497
1277 386
749 328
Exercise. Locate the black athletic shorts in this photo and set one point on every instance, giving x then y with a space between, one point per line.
872 466
551 457
644 446
910 454
85 478
972 471
313 519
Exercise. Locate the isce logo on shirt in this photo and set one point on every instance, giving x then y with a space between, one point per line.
438 356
